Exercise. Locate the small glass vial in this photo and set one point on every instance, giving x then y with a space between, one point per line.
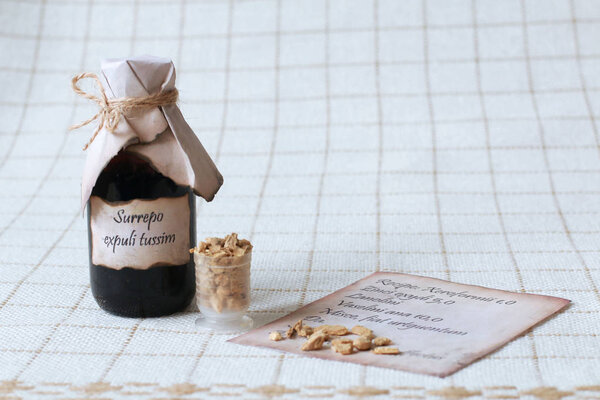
223 283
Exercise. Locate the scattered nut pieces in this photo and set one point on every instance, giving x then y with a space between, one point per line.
315 341
362 331
342 346
381 341
223 273
385 350
336 330
362 343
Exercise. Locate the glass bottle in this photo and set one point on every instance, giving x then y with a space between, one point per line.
139 240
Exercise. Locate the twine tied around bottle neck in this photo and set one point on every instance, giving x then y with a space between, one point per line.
111 110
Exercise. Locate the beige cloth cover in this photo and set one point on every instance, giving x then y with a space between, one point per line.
159 135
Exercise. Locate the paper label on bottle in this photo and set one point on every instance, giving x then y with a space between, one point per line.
139 233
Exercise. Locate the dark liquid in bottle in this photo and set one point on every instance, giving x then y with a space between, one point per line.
158 290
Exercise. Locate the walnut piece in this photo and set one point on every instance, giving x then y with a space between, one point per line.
315 341
336 330
297 326
362 331
362 343
292 330
305 331
342 346
385 350
275 336
381 341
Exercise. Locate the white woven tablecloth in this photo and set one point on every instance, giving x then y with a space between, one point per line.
453 139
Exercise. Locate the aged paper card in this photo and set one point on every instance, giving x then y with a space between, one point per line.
439 326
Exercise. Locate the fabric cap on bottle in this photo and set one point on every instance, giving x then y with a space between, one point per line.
160 135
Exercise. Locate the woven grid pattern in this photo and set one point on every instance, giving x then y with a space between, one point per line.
454 139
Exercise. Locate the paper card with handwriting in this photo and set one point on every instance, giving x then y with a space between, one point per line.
438 326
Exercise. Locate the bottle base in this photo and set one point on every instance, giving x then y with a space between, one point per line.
141 309
155 292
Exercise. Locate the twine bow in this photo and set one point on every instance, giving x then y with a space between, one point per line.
111 110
